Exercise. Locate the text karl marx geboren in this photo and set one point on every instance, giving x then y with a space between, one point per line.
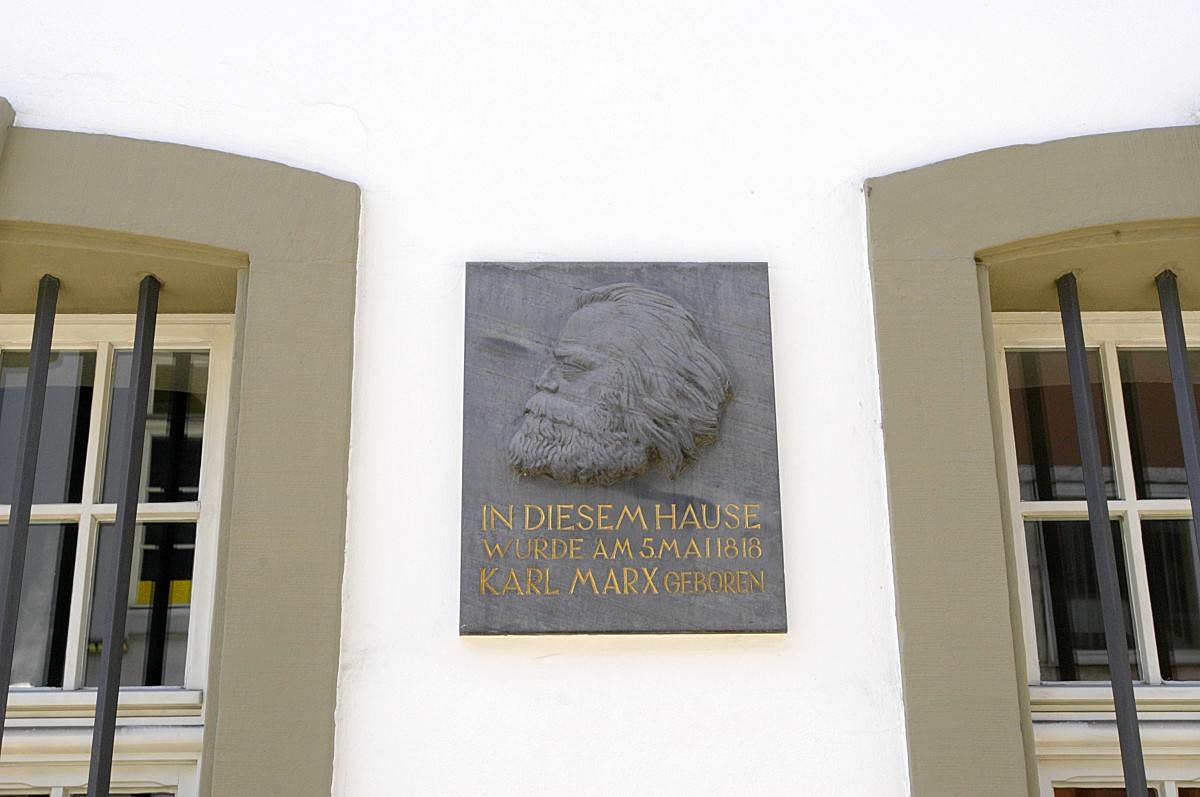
631 549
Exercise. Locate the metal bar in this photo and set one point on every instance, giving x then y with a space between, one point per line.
1185 404
100 772
1102 542
14 543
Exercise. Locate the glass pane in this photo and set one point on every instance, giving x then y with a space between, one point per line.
1048 461
1158 466
1066 600
45 608
1173 569
174 427
63 443
1189 791
159 604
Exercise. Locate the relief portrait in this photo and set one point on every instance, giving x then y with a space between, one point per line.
632 386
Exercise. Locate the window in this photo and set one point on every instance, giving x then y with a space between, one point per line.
165 662
276 247
1146 486
74 498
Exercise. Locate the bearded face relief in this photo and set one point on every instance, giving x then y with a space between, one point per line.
632 384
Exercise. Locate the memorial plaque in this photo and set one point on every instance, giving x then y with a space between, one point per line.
620 467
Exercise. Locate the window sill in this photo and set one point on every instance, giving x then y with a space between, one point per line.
37 704
1098 698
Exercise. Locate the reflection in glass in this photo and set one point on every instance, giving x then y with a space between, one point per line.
44 612
69 382
174 427
1066 600
1048 460
159 612
1173 570
1158 468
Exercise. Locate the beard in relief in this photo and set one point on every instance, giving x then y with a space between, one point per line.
632 384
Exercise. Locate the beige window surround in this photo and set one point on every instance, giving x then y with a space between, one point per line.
276 246
948 244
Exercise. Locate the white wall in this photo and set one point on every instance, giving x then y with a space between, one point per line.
583 129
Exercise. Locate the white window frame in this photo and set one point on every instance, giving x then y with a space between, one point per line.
1070 753
148 756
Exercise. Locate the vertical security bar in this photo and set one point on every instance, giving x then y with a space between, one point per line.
1102 542
117 583
1181 383
14 543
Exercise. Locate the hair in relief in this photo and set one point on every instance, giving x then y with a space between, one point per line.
632 384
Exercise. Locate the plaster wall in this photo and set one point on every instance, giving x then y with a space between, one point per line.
609 131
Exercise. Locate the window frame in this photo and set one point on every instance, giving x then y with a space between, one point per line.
1106 332
278 246
930 231
106 334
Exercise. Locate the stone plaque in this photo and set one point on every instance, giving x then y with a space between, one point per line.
620 468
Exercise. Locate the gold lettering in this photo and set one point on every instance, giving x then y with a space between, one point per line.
585 513
731 514
565 509
668 545
575 543
692 550
496 550
511 583
583 577
689 511
727 581
659 516
647 551
611 582
636 515
742 581
752 516
760 582
629 580
716 516
600 552
602 518
531 583
541 517
507 521
539 548
548 590
485 581
622 546
670 581
649 580
517 549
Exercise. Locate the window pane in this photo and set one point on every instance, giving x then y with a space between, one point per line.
63 443
1173 570
174 427
1189 791
1158 467
1048 460
1066 600
159 604
42 618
